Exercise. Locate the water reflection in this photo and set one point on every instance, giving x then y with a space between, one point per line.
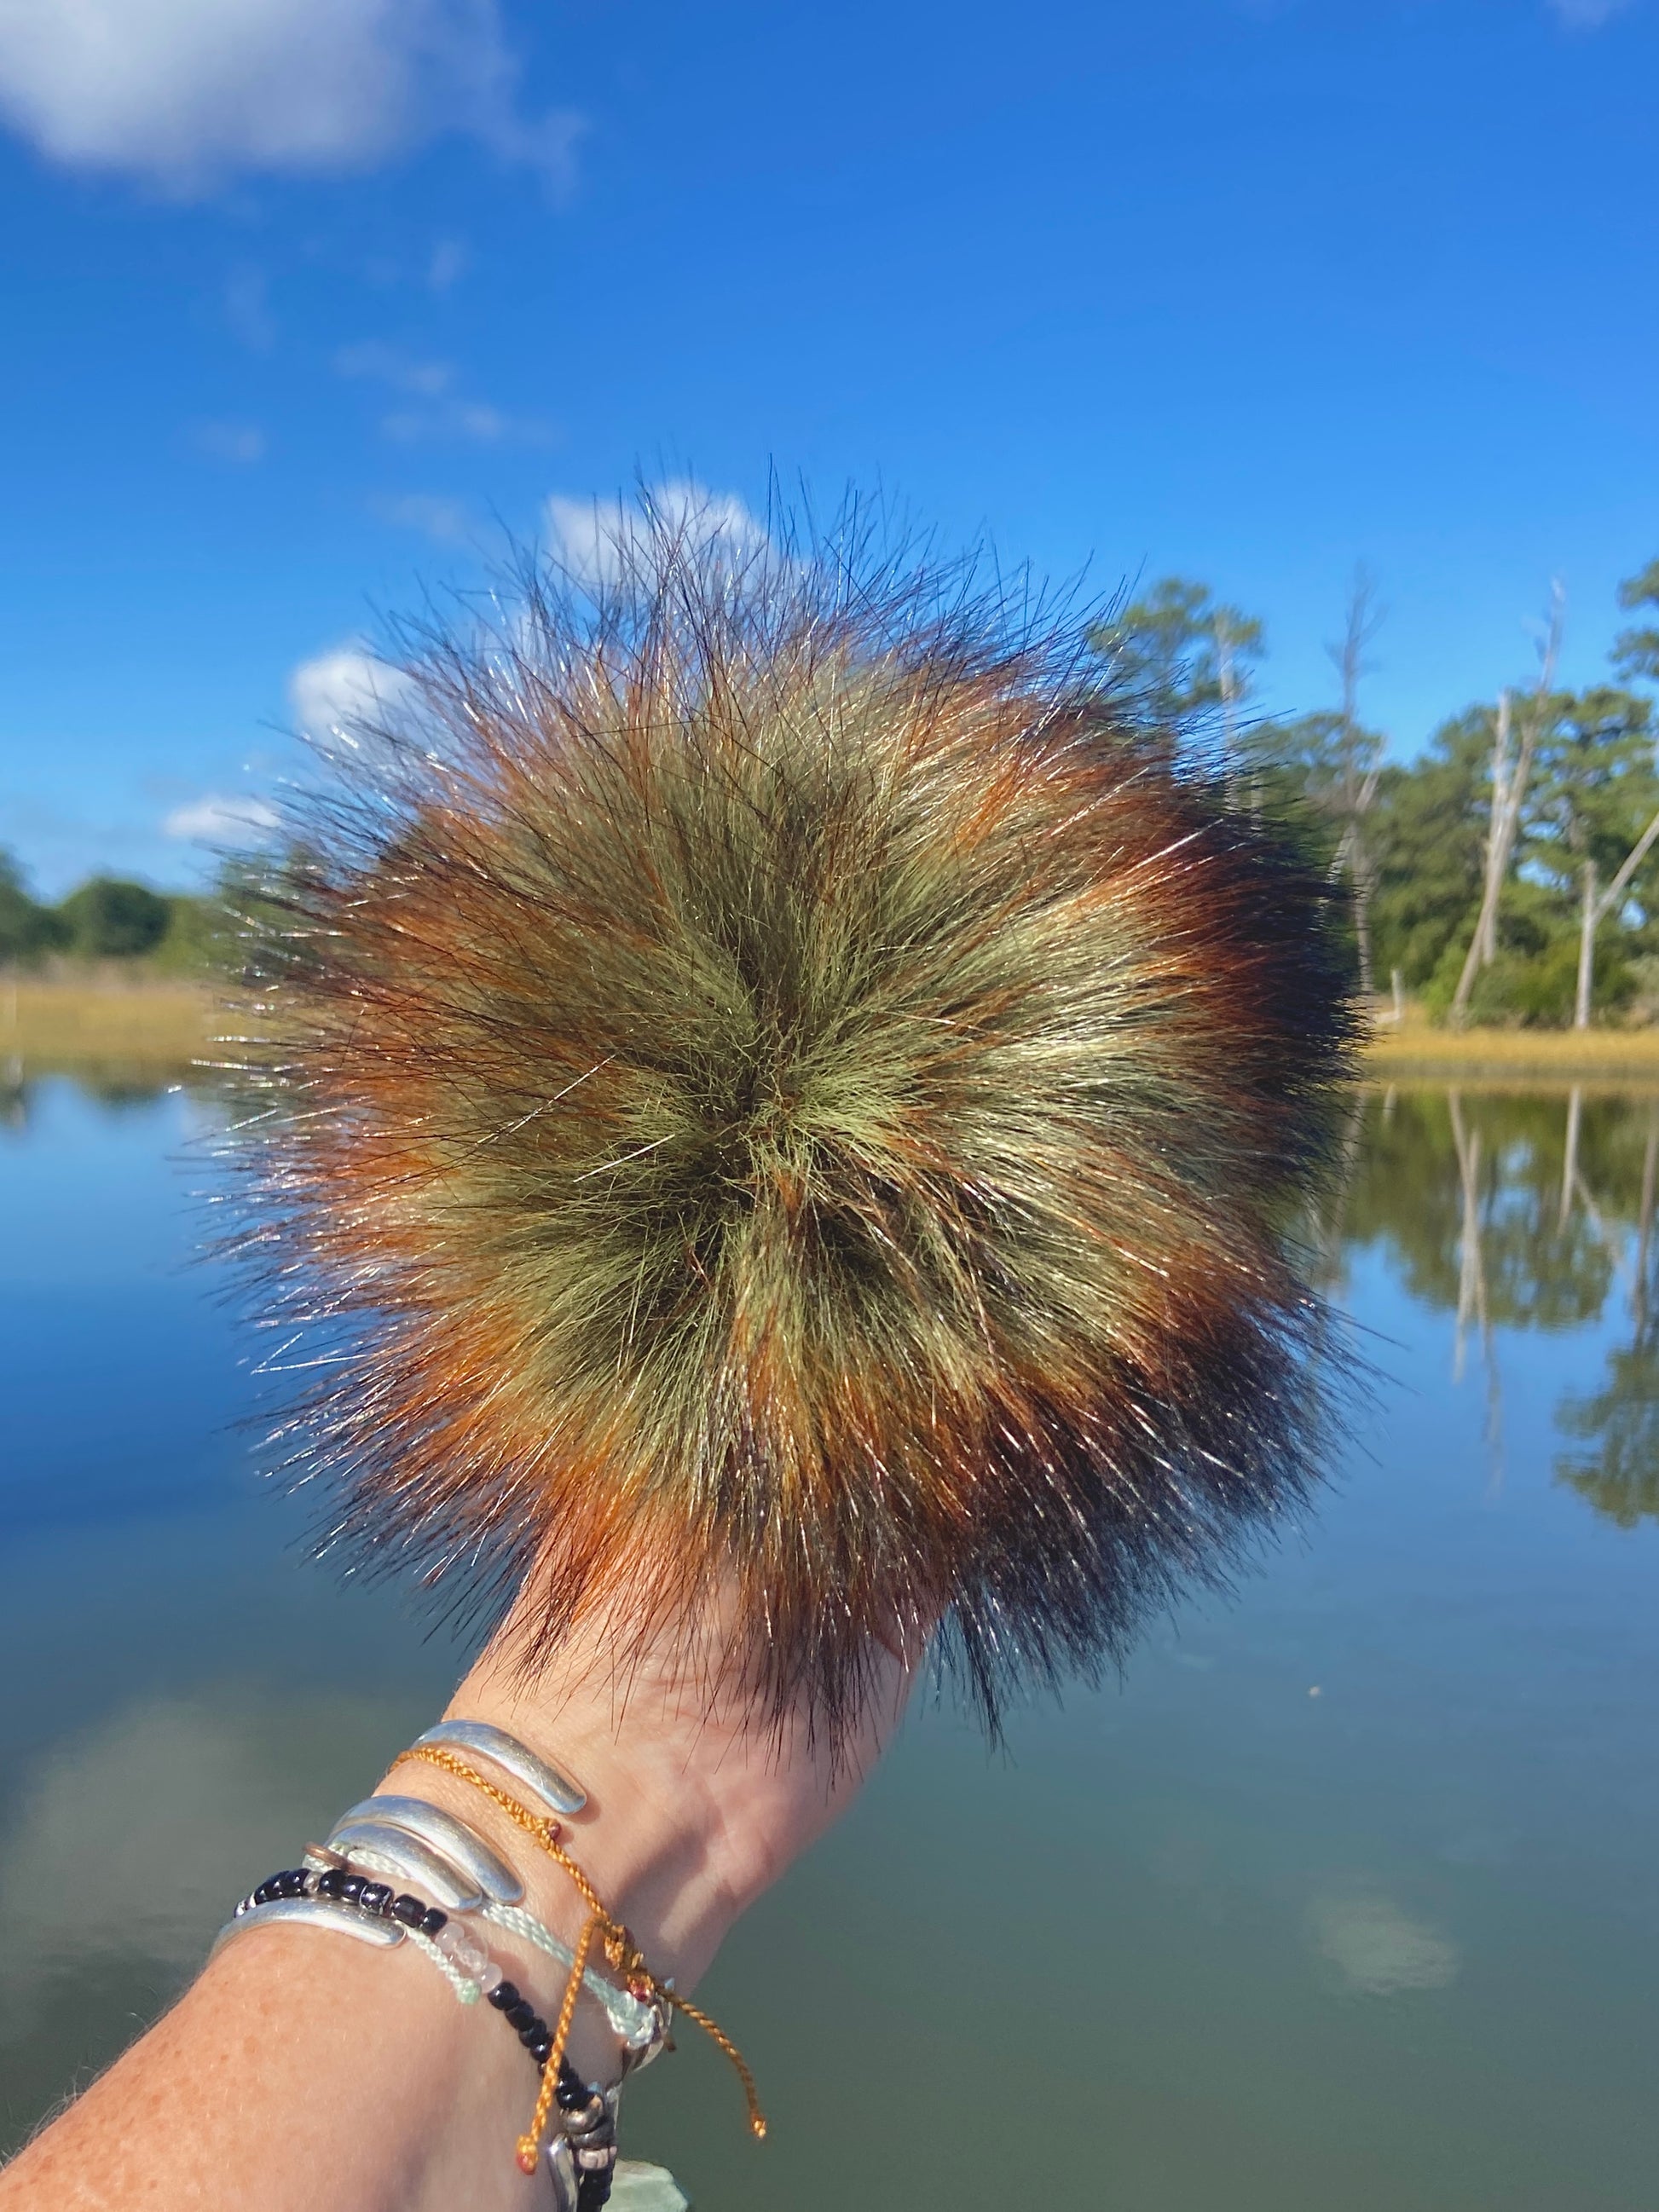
118 1848
1377 1948
114 1085
1619 1476
1299 1914
1525 1213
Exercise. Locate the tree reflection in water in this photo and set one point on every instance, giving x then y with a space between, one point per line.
1618 1470
1529 1211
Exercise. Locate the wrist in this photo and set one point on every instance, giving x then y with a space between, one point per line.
691 1811
674 1852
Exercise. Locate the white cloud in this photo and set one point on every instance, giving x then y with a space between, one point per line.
600 540
1587 15
185 92
335 693
446 414
212 820
239 443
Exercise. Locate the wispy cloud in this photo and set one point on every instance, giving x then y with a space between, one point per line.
448 414
388 364
600 540
1587 15
124 1841
186 93
214 820
241 444
247 310
471 422
451 259
446 521
1377 1948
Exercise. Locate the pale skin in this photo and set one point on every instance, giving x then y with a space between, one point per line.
303 2072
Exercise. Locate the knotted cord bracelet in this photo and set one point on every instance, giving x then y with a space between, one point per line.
395 1838
601 1927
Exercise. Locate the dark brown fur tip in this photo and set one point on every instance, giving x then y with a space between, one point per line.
786 1112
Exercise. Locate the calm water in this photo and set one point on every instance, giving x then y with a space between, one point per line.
1348 1897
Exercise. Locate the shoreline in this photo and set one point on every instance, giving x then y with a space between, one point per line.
52 1026
150 1025
1417 1053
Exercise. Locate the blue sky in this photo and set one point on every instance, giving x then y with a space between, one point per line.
305 299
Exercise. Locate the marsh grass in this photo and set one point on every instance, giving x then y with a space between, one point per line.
158 1024
1415 1049
49 1025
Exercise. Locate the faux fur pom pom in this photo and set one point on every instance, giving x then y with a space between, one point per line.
787 1110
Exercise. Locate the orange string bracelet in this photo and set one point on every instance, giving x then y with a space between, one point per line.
530 2144
621 1954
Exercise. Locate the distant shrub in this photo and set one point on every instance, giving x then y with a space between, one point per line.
1535 989
27 930
199 939
109 920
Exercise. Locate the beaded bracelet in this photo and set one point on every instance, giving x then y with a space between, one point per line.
601 1931
588 2120
413 1842
405 1837
373 1898
584 2154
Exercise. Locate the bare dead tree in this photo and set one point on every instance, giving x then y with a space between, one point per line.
1509 792
1499 829
1359 765
1471 1269
1593 908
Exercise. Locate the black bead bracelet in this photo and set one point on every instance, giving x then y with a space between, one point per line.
377 1899
585 2120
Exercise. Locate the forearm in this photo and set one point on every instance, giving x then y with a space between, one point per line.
301 2071
305 2070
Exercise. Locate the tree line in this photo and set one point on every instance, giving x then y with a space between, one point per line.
109 918
1509 874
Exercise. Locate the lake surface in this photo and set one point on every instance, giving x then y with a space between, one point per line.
1346 1897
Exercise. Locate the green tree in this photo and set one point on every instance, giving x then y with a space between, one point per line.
1181 661
1617 1470
1428 834
1540 1270
1325 769
1595 800
194 942
108 919
1635 653
26 929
